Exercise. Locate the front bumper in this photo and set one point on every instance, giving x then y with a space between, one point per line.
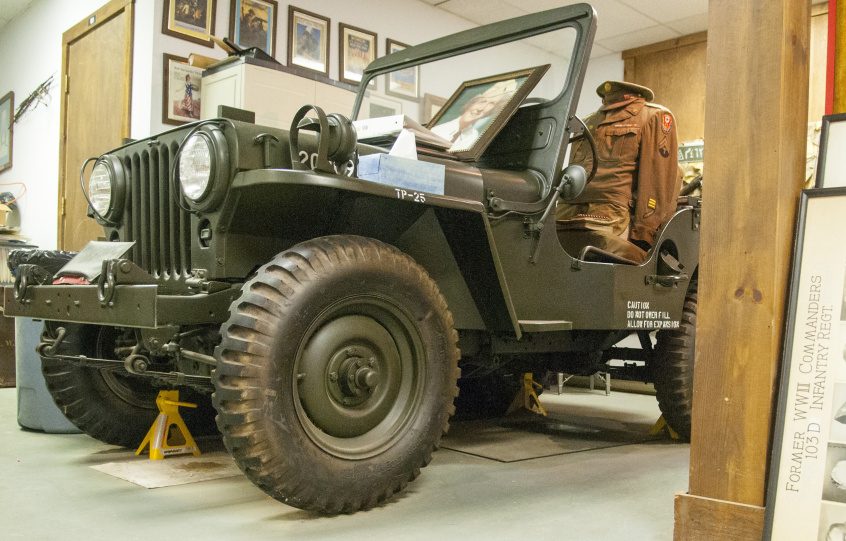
130 306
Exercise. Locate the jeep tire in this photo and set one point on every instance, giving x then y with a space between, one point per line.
672 370
111 405
336 374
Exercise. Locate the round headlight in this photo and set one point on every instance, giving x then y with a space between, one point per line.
100 188
195 167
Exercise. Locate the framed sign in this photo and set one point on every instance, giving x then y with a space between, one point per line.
308 40
181 90
252 23
192 20
476 112
831 167
380 107
7 121
806 494
431 105
402 83
358 49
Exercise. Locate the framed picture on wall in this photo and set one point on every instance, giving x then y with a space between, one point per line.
831 167
402 83
308 40
7 121
358 49
431 106
181 90
806 493
192 20
381 107
252 23
476 112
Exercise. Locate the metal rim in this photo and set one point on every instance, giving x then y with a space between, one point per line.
359 376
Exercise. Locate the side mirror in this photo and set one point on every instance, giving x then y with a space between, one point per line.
573 182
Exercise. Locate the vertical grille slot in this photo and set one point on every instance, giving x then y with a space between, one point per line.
159 227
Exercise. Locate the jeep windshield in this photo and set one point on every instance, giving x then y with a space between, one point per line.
484 74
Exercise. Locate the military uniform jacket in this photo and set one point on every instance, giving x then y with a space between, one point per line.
637 147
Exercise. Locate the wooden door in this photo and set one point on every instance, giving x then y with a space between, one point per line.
96 89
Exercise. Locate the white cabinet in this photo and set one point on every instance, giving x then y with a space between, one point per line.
272 94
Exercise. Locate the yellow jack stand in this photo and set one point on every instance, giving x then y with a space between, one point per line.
162 438
527 398
661 426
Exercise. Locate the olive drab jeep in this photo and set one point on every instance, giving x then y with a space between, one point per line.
326 321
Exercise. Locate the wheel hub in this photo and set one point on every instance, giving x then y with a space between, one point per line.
349 376
353 375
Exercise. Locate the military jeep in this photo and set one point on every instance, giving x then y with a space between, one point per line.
326 320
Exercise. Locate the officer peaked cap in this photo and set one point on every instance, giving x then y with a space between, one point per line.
610 87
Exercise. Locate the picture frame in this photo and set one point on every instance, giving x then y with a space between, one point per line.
191 20
357 49
806 492
831 165
181 90
479 108
402 83
431 105
379 106
7 129
252 23
308 40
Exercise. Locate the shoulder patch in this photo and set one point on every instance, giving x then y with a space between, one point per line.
666 122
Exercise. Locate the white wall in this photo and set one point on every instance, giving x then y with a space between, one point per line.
30 51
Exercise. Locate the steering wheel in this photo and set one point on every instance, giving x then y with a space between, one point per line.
591 143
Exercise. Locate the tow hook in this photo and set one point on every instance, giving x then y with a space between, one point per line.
29 275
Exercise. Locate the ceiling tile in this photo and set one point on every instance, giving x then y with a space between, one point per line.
598 50
638 38
664 11
558 43
482 12
433 2
690 25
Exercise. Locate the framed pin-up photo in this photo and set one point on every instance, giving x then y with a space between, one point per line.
831 166
191 20
479 108
181 90
7 121
252 23
402 83
357 50
806 493
308 40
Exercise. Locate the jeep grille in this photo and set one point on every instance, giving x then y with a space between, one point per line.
160 228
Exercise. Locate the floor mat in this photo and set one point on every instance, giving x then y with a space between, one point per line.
172 471
527 436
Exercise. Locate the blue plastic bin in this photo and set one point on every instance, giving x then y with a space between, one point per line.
36 409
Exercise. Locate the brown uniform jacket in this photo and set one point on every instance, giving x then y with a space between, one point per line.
637 148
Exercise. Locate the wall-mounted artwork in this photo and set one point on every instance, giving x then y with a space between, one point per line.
252 23
192 20
402 83
308 40
181 90
7 117
358 49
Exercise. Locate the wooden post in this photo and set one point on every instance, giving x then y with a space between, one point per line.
837 11
755 123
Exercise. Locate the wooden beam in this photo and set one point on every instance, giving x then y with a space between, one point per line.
691 39
839 105
755 124
706 519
